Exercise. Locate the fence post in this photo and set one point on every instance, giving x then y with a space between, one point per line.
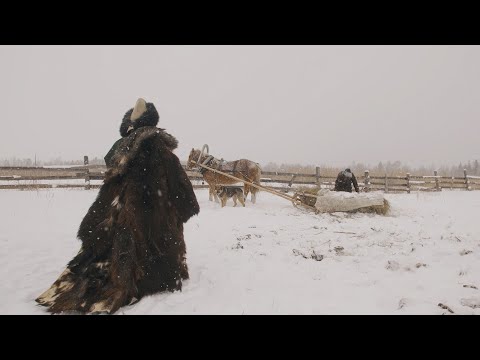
408 183
317 175
367 181
467 185
386 183
291 180
437 187
87 173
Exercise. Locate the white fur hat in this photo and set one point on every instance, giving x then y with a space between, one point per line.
139 109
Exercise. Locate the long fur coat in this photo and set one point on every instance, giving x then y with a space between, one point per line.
132 235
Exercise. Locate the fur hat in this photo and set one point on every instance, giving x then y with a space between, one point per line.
139 109
143 114
347 173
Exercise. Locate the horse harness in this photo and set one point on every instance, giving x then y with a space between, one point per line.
217 164
206 162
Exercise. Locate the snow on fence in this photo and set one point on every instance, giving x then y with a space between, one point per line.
91 176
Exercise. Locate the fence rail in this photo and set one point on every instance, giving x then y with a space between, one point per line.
34 178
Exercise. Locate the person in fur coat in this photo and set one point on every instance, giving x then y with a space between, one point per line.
132 235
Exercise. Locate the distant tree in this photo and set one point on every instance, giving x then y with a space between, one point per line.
469 167
380 168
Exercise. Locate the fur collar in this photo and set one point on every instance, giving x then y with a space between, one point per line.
130 145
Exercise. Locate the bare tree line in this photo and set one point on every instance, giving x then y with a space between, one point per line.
28 162
389 168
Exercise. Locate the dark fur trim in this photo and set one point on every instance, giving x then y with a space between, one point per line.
148 118
129 146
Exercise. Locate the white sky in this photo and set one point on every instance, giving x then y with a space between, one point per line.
328 105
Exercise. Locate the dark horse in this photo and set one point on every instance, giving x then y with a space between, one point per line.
243 169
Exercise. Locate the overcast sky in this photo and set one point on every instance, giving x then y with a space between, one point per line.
325 105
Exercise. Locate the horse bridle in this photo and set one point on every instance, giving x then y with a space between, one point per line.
206 162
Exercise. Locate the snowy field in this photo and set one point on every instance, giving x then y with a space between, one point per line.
271 258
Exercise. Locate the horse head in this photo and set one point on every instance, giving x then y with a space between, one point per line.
197 156
194 153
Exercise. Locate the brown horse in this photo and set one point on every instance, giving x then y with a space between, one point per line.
243 169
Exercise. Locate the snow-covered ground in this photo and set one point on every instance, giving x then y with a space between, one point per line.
271 258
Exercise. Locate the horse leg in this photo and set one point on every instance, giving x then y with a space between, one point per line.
214 192
251 189
256 181
210 193
241 199
246 189
254 195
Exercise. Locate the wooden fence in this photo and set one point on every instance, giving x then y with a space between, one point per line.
83 176
388 184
